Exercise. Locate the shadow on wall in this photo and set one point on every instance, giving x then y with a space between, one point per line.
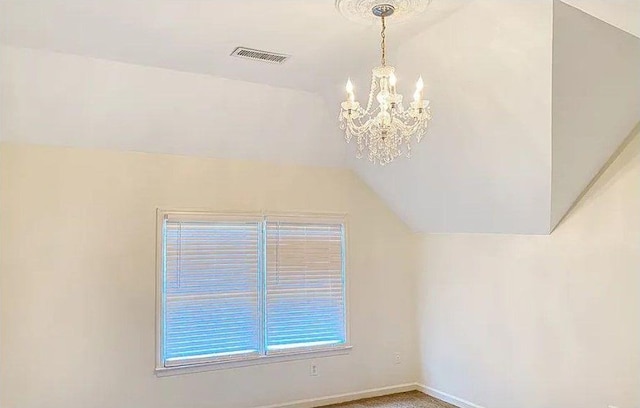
620 161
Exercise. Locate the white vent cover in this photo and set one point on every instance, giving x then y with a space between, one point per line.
259 55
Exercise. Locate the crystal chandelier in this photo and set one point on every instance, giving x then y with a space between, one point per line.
387 130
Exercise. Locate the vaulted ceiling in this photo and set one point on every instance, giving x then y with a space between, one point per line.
530 98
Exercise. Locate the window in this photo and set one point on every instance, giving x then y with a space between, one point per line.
304 285
245 289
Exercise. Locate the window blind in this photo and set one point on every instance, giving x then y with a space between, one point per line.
305 292
211 290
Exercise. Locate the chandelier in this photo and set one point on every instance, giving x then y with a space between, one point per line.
384 129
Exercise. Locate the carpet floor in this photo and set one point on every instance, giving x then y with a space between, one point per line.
413 399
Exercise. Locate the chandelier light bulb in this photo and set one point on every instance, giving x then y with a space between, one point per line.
349 86
417 96
350 96
420 84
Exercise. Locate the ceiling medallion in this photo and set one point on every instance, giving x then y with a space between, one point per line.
360 10
386 130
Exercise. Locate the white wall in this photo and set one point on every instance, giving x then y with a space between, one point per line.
540 321
77 281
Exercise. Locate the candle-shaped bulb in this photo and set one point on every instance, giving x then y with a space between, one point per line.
417 96
420 84
392 79
349 86
350 96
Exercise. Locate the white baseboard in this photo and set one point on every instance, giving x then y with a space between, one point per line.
340 398
376 392
459 402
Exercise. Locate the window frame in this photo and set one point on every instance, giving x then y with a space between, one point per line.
201 363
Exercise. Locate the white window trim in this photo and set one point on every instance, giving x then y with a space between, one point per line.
217 363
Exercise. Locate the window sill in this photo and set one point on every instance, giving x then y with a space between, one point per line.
268 359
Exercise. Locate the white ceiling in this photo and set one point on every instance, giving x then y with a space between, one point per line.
623 14
155 75
484 166
54 98
596 92
198 36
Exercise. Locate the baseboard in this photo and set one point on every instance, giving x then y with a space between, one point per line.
340 398
459 402
376 392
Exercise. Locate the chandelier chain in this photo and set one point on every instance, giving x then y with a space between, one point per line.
383 44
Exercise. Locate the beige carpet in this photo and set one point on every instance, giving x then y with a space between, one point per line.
413 399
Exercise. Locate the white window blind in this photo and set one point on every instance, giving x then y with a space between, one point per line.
210 290
305 291
245 288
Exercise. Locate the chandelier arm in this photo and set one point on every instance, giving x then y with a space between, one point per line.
358 128
407 130
354 125
411 127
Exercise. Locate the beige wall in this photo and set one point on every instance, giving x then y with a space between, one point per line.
540 321
77 281
504 321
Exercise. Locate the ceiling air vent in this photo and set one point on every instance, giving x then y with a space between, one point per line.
259 55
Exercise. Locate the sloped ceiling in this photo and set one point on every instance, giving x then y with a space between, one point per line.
484 166
155 75
53 98
596 100
622 14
